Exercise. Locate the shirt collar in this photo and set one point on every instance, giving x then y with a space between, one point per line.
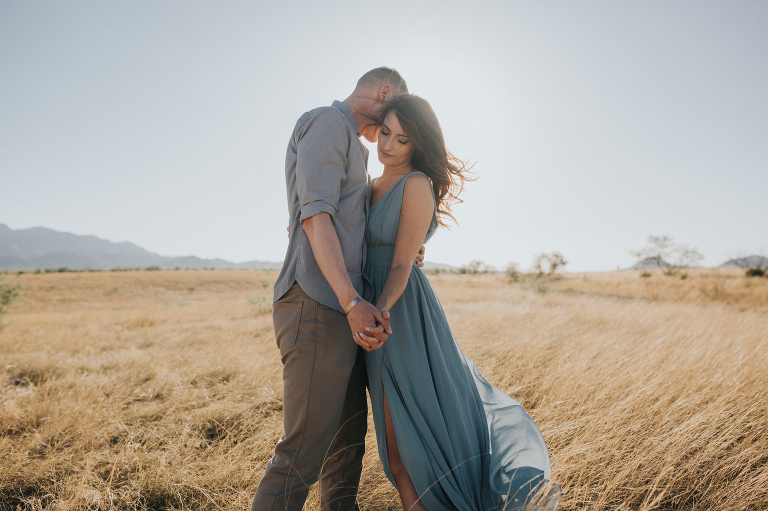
348 114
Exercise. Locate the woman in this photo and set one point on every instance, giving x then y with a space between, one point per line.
446 437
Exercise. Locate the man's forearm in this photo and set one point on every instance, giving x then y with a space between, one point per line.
327 251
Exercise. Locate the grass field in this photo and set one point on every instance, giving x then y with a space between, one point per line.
161 390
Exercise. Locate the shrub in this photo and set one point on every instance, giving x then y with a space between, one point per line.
476 266
538 283
153 268
8 295
754 272
513 272
260 305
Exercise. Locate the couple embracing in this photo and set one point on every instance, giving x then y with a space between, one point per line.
353 310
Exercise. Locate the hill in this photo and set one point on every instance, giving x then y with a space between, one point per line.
753 261
649 264
429 265
40 248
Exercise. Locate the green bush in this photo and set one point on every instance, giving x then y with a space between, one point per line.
513 272
474 267
538 283
261 305
9 293
755 272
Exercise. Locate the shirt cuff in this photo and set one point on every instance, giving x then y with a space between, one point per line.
315 207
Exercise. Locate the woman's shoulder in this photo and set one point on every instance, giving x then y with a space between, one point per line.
417 187
417 180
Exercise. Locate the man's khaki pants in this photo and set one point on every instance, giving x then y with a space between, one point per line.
324 406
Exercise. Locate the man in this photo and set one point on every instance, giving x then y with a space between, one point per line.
324 379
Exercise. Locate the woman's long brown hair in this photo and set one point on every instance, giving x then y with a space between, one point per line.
430 155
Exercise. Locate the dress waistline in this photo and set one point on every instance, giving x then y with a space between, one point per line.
380 255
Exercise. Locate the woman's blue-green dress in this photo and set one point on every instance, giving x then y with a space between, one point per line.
466 445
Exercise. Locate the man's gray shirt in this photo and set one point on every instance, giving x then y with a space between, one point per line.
326 171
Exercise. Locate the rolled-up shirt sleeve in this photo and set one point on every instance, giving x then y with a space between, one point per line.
321 161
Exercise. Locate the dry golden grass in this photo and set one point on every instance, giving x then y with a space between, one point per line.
716 285
161 390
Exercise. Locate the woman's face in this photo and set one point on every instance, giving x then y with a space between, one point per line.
395 148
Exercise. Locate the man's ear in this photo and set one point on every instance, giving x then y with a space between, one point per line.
385 93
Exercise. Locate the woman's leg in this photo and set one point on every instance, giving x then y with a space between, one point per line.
405 488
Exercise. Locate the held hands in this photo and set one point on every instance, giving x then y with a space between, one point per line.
370 326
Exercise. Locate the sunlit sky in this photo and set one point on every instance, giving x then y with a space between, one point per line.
591 124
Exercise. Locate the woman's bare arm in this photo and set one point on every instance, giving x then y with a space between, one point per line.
415 218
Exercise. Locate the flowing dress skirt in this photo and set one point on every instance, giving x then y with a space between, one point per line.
466 445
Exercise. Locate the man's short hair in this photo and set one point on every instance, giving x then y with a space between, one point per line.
383 75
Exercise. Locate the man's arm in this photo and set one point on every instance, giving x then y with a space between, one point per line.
363 317
321 160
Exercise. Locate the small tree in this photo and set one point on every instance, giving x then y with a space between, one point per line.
656 251
8 294
555 261
665 254
684 257
548 263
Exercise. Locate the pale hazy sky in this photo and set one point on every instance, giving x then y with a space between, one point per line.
592 124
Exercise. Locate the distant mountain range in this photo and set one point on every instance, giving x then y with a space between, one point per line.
753 261
41 248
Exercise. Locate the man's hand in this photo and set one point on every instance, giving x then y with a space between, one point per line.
370 327
420 257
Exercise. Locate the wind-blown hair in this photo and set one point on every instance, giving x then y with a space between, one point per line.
382 75
430 155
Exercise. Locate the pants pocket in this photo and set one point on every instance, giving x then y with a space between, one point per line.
286 317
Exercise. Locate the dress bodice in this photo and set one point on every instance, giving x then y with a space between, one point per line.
384 217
